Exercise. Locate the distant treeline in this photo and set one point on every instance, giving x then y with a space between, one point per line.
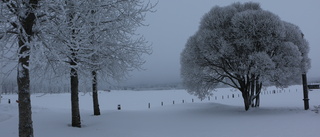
10 87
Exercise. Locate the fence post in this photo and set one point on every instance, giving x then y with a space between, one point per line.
148 105
192 100
161 103
305 91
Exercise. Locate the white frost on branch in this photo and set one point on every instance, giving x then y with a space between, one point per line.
240 44
91 36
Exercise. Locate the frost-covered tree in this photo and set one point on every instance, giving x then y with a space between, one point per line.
64 29
17 20
115 51
244 47
89 37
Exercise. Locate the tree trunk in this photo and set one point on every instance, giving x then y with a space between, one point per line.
76 122
246 100
74 80
23 78
245 94
245 89
96 109
257 103
252 89
258 91
25 113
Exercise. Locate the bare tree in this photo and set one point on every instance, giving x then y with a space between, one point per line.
64 45
117 48
93 37
17 20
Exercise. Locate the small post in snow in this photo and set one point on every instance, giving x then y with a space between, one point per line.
119 107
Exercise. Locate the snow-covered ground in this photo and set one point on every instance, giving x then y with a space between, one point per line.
280 115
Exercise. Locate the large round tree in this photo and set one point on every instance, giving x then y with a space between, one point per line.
245 47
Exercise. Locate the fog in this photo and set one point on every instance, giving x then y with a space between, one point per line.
175 21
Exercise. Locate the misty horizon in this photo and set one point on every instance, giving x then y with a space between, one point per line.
173 22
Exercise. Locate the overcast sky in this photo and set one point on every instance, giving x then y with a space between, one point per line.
176 20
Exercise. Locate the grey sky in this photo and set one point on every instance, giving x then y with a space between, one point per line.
176 20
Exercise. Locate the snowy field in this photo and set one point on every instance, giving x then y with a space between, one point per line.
280 115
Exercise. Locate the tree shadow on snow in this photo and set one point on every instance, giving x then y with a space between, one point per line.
216 109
